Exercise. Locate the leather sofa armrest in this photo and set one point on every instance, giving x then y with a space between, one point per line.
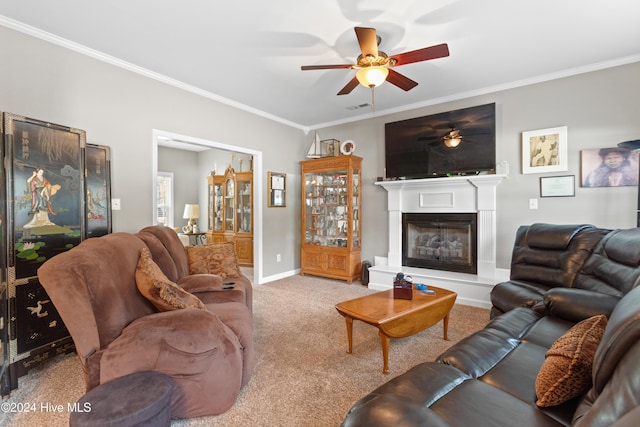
391 410
578 304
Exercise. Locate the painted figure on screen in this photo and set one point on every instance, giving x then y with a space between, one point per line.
41 192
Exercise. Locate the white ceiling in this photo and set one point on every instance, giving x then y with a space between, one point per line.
249 53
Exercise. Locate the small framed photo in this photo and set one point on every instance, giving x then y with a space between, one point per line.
558 186
277 183
545 150
330 147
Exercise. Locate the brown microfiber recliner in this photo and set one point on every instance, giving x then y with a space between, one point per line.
117 331
169 253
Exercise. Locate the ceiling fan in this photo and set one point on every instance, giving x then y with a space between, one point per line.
374 66
451 139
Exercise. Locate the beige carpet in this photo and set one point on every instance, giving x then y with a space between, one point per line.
303 376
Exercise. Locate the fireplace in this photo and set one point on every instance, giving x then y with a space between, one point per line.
440 241
474 195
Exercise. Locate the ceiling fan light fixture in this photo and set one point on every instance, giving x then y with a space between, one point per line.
372 76
452 142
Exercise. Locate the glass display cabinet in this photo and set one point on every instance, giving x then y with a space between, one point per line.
214 190
331 208
230 212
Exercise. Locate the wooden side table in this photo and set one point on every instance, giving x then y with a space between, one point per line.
198 238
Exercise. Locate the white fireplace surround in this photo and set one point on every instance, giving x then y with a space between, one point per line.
459 194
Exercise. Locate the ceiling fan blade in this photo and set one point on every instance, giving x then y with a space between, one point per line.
403 82
349 87
424 54
367 40
325 67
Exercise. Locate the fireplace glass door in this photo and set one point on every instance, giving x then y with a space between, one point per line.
440 241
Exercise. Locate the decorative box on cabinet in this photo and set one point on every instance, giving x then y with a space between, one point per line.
331 208
230 212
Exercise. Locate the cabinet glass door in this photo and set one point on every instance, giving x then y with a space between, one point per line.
229 194
326 215
217 206
355 214
244 206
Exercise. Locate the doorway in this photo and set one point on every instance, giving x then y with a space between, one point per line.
184 142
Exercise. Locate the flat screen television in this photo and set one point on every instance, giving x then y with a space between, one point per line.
415 148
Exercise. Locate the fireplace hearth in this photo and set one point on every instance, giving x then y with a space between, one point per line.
442 241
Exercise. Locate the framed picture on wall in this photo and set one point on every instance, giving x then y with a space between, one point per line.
545 150
558 186
609 167
277 183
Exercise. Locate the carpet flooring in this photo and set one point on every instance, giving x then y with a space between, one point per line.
303 375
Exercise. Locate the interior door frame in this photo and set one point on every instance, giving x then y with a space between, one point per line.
160 137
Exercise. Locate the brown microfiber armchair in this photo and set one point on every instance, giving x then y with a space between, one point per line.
116 331
170 255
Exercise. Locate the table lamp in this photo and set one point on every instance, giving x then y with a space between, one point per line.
192 213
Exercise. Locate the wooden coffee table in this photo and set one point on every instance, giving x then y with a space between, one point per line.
397 318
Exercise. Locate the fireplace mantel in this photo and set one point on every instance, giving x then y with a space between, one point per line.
458 194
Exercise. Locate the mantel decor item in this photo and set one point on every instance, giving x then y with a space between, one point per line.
545 150
277 189
330 147
347 147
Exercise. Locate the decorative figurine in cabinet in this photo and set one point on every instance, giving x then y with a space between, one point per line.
230 212
331 208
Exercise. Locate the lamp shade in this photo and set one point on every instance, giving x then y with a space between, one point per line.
631 145
191 211
372 76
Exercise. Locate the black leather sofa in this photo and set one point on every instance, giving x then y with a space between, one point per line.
547 256
488 378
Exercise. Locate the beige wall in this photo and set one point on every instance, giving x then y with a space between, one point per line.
120 109
600 110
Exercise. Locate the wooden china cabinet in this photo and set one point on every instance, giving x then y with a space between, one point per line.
230 212
331 208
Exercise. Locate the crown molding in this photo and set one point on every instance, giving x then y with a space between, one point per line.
100 56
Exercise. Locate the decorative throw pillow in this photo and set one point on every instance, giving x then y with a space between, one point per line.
214 258
566 371
159 290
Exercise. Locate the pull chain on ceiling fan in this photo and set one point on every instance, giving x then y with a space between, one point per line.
374 66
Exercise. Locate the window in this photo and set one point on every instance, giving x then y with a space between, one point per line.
164 197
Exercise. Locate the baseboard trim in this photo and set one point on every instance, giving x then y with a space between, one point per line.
278 276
